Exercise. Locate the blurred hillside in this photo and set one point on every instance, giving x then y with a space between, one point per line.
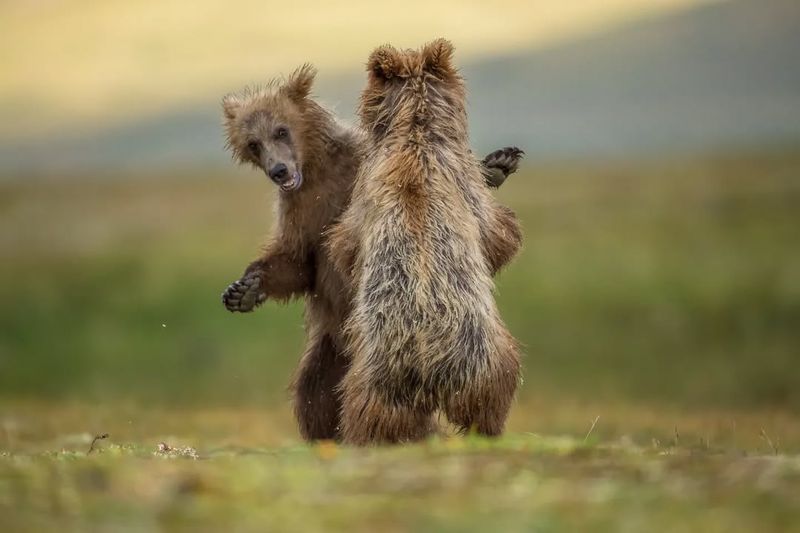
714 76
720 76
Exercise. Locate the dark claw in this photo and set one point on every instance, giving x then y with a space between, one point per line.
241 295
498 165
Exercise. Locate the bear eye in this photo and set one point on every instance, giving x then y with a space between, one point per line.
254 147
281 133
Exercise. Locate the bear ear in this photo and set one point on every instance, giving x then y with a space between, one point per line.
298 85
437 56
384 62
231 105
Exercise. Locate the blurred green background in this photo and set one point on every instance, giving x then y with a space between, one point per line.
674 282
657 296
659 196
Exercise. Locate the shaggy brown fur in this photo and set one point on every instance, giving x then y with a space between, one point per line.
281 126
422 237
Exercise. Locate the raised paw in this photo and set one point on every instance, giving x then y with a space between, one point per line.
500 164
245 294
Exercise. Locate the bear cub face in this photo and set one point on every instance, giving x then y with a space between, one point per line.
410 90
265 127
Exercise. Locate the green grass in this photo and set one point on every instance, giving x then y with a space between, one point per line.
518 483
243 469
661 297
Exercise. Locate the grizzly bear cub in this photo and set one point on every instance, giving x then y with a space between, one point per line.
422 237
313 159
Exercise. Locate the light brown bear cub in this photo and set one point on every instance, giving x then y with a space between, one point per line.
422 237
313 159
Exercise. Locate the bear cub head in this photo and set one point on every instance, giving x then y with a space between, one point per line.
266 127
412 91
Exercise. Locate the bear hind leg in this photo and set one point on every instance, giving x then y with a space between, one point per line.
370 415
315 390
483 403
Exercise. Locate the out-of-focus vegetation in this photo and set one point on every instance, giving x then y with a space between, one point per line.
518 483
674 283
658 304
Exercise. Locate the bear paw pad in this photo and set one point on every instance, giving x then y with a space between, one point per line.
245 294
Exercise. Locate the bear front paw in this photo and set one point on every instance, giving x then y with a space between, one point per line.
500 164
245 294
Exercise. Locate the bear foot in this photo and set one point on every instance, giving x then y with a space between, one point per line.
245 294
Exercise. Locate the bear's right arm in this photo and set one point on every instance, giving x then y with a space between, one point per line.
278 274
283 274
500 164
501 235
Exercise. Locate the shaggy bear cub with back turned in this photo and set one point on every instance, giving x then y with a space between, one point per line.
422 238
313 159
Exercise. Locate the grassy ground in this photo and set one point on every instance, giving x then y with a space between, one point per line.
522 482
661 297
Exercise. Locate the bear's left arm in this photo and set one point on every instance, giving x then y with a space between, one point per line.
501 235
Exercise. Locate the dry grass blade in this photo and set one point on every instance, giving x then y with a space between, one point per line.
594 423
94 441
769 442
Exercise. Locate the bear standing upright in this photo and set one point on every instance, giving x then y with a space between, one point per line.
422 238
313 159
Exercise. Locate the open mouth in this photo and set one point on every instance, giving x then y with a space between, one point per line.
293 183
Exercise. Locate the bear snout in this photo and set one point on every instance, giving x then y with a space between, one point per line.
278 172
